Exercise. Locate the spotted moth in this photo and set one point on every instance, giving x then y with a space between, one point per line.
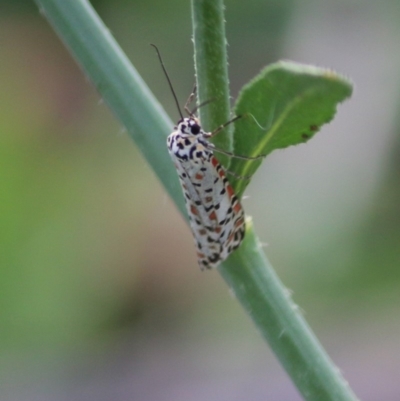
215 214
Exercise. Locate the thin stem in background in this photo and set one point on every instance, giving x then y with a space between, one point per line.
211 67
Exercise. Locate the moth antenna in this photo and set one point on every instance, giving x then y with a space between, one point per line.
169 81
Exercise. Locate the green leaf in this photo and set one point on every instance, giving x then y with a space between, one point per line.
286 104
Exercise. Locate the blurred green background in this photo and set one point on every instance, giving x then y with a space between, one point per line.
100 294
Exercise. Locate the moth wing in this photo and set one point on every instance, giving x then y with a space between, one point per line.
203 219
230 213
216 216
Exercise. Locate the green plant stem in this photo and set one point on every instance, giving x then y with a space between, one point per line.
212 70
255 284
247 271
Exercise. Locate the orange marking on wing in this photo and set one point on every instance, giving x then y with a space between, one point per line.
208 199
199 176
217 230
230 191
237 208
239 223
214 162
194 210
213 215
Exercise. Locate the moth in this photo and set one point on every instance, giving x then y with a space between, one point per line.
216 217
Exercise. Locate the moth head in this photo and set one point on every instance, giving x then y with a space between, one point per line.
189 126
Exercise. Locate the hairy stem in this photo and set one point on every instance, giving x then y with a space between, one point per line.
212 70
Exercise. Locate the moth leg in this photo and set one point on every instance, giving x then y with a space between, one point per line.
190 100
212 147
221 127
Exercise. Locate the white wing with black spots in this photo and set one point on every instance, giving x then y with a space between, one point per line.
215 214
